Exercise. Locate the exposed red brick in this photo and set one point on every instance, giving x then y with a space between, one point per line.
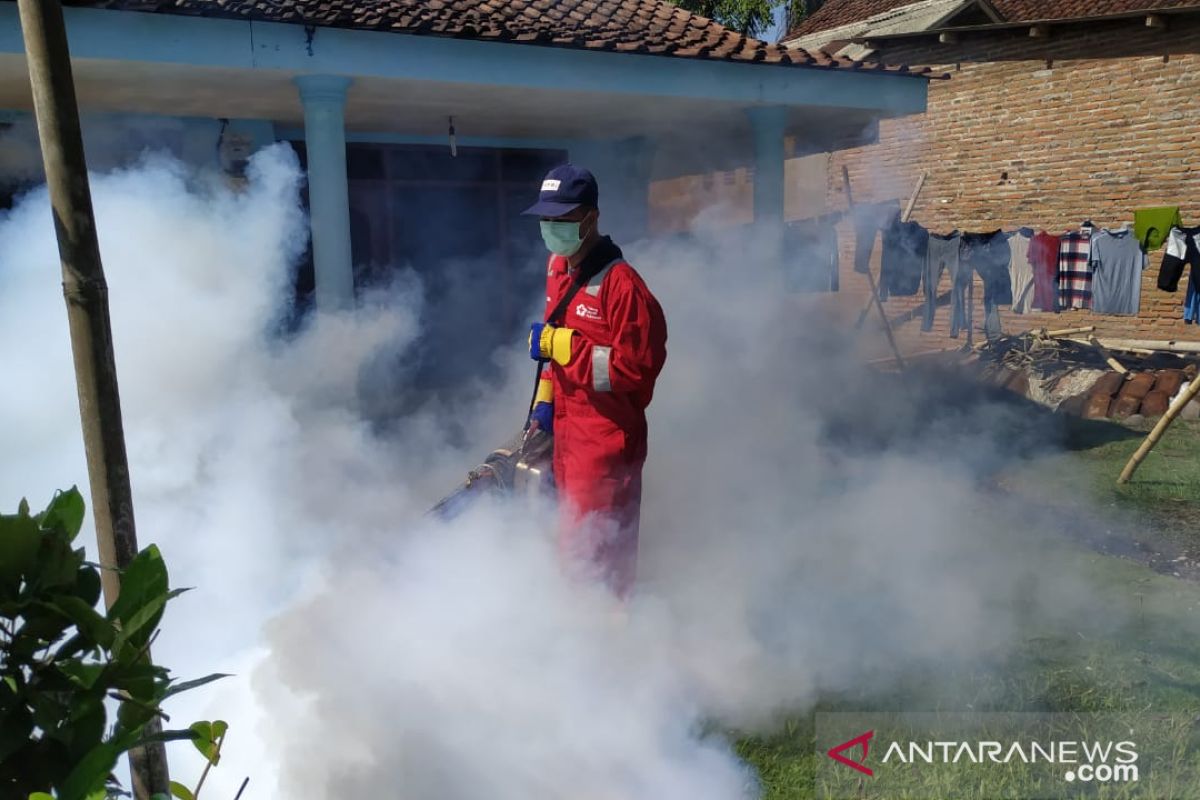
1097 406
1169 381
1108 384
1073 406
1137 386
1123 407
1155 404
1030 108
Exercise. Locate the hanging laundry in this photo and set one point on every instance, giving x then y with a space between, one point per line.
904 248
1153 225
989 255
1191 305
1117 262
1043 258
942 254
869 219
1075 270
812 255
1021 271
1181 251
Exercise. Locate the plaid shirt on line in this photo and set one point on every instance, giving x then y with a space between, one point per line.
1075 270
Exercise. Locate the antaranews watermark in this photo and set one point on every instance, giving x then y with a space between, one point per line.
1019 755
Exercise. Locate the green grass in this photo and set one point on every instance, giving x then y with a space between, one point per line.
1170 474
1140 655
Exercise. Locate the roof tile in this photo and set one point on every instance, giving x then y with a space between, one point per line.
835 13
636 26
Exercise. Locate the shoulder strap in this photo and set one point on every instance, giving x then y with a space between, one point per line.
576 284
584 276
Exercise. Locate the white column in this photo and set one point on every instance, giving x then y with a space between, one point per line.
324 101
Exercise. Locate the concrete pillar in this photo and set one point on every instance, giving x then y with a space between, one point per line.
768 124
324 101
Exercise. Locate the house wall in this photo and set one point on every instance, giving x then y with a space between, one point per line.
1091 123
112 141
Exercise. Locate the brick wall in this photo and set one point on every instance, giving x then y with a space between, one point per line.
1091 123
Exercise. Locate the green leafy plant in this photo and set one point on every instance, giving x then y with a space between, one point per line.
751 17
62 661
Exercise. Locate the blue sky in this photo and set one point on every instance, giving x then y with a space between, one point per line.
774 33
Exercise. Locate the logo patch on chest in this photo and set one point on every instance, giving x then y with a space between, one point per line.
587 312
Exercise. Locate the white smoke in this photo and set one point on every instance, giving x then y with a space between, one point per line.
804 526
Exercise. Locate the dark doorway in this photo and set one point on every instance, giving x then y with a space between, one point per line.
455 221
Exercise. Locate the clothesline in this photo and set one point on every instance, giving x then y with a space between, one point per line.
1092 268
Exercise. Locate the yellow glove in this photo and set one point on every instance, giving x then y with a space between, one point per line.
549 342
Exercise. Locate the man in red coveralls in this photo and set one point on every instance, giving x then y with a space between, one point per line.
604 343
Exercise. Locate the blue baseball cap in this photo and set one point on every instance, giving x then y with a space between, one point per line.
565 189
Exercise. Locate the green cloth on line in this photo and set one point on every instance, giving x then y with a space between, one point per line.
1151 225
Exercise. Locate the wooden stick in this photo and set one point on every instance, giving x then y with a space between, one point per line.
912 200
1172 346
1176 408
941 351
1108 357
1042 332
86 294
887 326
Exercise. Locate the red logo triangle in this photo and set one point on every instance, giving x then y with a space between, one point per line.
865 742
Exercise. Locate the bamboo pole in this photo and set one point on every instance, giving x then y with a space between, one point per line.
912 200
887 326
86 295
1048 334
1176 408
1154 345
1108 357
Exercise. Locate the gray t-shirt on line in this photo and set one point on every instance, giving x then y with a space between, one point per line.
1117 264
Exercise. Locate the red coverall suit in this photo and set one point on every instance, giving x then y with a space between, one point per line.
600 399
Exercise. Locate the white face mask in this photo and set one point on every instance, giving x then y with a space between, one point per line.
561 237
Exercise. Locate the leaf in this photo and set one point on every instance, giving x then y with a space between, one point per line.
141 582
43 625
19 541
84 675
41 796
16 729
65 513
143 680
133 714
56 564
192 684
84 729
182 792
144 628
207 736
87 584
90 622
144 619
90 773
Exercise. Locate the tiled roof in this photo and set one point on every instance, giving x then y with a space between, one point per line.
1030 10
836 13
652 27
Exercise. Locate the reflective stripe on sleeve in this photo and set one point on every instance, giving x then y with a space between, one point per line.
600 377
